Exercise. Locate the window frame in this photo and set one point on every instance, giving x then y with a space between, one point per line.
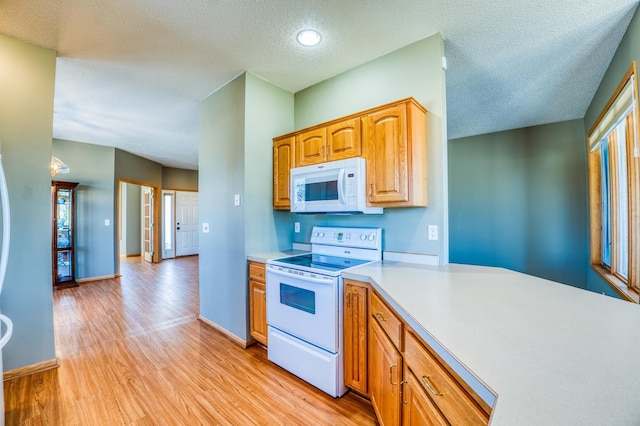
629 288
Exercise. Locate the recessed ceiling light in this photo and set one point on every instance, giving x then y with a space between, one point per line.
309 37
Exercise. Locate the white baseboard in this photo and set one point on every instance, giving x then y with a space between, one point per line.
244 343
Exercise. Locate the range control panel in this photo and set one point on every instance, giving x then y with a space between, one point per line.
370 238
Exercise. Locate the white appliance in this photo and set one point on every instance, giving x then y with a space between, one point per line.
4 258
304 304
333 187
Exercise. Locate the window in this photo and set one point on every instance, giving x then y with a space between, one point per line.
614 189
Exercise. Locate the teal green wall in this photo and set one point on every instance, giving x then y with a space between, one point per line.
27 75
414 70
628 51
237 123
92 167
180 179
518 200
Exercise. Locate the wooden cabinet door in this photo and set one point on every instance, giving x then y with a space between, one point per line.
395 148
385 132
417 407
344 140
355 336
385 375
258 311
283 157
311 147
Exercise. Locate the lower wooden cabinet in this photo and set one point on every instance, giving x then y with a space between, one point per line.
257 302
406 381
355 335
385 375
417 408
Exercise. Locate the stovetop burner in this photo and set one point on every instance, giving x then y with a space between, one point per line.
321 261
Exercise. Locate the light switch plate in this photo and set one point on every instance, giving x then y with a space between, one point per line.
205 227
236 200
296 227
107 222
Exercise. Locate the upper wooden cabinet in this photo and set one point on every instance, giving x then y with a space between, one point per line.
391 138
331 142
395 150
283 160
344 140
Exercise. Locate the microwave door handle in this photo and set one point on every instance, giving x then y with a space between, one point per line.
342 186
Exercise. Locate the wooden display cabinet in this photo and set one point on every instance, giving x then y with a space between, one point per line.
63 234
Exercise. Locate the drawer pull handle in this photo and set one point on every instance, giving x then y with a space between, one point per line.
379 317
425 380
391 375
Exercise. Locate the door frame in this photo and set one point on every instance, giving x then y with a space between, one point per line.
170 253
156 219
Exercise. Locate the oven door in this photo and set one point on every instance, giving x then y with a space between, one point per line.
304 306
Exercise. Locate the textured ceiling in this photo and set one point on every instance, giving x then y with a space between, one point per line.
130 73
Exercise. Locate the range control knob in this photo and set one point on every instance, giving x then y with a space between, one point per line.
363 237
371 237
322 235
316 234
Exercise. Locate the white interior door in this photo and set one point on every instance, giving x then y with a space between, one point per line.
168 224
147 223
187 222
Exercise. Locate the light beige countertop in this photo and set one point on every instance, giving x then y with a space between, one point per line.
263 257
553 354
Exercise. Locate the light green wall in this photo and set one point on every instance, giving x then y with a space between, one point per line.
130 167
179 179
223 291
268 112
518 200
237 124
27 75
628 51
414 70
132 220
92 167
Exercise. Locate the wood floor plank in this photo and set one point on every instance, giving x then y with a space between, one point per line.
132 352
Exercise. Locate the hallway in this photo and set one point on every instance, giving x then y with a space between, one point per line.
132 351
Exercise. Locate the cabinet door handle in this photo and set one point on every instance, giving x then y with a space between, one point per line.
391 375
379 317
403 391
425 380
348 300
370 189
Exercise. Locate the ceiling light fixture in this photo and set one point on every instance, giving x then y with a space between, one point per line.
309 38
57 166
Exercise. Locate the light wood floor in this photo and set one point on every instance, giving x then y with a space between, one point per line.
131 351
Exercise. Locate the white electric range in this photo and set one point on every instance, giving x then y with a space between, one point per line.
304 303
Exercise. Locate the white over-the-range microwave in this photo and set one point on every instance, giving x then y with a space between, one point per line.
334 187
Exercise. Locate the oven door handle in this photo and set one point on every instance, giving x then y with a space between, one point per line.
305 278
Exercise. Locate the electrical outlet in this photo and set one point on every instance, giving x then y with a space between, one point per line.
296 227
107 222
433 232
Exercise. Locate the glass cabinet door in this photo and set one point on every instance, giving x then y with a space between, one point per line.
63 234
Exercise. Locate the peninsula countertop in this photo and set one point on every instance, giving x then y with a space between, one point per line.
553 354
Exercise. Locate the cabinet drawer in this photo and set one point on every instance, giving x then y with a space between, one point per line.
387 319
257 271
454 402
